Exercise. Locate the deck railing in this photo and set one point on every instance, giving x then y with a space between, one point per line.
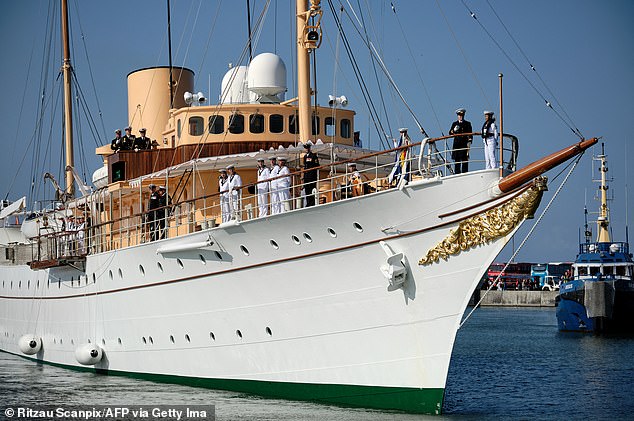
336 181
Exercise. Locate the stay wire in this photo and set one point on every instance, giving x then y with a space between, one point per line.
537 222
531 84
373 49
357 72
376 75
420 77
464 55
532 67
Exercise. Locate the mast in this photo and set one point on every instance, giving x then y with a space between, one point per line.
308 38
68 105
603 221
169 47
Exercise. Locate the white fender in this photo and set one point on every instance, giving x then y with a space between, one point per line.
88 354
30 344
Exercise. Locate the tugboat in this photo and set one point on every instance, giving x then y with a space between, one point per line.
599 297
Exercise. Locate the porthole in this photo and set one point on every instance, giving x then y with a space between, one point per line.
61 342
244 250
358 227
72 342
187 338
151 340
218 255
38 284
239 334
160 266
180 263
307 237
55 341
119 341
94 278
89 341
20 285
274 244
212 336
296 239
171 338
202 259
142 270
28 284
120 274
103 341
332 232
110 274
144 340
268 331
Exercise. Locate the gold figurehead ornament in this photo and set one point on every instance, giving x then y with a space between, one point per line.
488 226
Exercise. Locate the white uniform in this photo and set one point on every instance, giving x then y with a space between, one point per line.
490 145
275 200
224 199
235 183
263 190
283 189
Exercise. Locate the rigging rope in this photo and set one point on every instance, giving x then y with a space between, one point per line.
420 78
532 85
541 216
576 130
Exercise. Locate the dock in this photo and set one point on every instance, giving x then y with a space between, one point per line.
513 298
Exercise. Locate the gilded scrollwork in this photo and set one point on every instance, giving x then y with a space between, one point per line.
489 225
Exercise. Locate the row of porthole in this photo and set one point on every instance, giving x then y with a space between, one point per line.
243 248
149 339
28 285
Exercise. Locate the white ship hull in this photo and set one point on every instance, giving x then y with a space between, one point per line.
313 320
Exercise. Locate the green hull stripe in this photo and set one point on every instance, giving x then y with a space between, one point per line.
423 401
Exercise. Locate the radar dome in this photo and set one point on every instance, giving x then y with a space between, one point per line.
234 86
267 75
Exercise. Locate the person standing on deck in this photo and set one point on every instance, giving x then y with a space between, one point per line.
142 142
273 185
128 140
283 185
235 192
461 144
116 143
223 188
263 188
490 139
153 204
311 161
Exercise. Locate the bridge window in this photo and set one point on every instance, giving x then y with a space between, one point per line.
196 126
345 130
216 124
178 129
315 125
330 126
236 124
276 123
293 125
256 123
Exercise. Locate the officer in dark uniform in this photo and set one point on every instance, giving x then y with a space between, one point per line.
142 142
128 140
116 143
311 161
152 216
461 144
163 211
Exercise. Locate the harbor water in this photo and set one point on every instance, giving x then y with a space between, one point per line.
508 363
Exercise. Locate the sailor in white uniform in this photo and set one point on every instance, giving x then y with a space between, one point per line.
275 200
263 188
223 188
284 186
235 186
490 139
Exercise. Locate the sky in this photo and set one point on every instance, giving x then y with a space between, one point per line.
438 55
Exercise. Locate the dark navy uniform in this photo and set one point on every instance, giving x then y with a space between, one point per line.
460 152
152 216
310 175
